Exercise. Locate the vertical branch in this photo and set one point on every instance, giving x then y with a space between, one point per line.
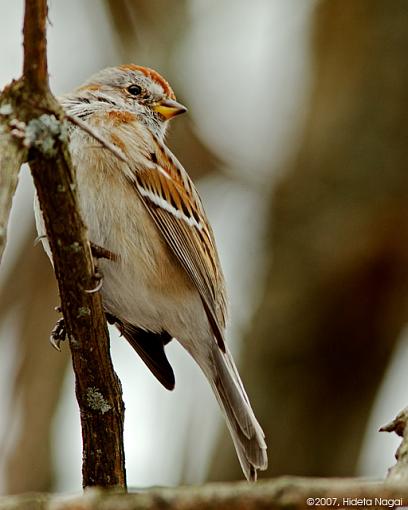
35 44
39 125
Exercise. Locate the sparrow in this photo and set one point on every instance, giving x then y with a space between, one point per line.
162 279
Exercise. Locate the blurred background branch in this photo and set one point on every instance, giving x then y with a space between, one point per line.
11 158
159 31
34 295
335 298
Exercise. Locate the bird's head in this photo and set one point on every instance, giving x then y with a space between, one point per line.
135 89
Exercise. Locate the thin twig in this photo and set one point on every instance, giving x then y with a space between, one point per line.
35 44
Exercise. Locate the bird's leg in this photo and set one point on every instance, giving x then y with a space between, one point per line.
99 252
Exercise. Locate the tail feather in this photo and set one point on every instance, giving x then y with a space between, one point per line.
150 347
246 433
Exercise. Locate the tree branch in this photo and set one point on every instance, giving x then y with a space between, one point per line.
399 425
38 123
280 493
35 44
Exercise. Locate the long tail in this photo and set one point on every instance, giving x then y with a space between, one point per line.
246 433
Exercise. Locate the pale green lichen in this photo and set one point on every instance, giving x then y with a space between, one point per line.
75 247
96 400
43 132
6 109
83 311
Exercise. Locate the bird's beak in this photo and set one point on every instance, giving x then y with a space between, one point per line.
169 108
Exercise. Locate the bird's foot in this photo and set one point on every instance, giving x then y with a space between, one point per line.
58 334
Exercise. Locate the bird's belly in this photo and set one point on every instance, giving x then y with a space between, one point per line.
146 286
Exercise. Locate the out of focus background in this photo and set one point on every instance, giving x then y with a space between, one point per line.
296 136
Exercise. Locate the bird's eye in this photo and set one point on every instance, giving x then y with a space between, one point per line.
135 90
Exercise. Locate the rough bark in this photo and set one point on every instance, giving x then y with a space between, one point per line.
283 493
98 389
336 295
42 129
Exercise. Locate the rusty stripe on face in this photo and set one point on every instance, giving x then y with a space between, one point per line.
153 75
121 117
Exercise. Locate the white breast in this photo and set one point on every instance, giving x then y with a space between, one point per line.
147 286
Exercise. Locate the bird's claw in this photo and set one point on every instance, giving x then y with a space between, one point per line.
99 277
58 334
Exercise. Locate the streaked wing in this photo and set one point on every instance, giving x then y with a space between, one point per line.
176 208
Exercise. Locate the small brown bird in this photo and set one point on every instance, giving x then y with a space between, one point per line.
164 278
